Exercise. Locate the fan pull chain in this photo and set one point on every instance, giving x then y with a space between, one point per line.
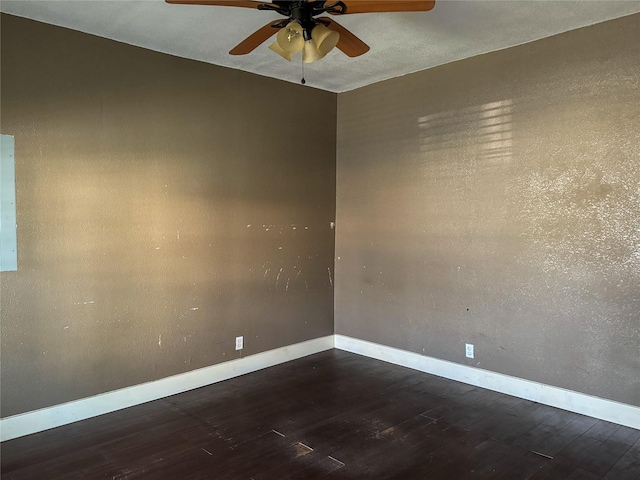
303 81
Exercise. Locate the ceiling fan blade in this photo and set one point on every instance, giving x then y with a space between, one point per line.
222 3
351 45
373 6
256 39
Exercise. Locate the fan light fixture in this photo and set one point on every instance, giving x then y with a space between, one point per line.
293 38
304 30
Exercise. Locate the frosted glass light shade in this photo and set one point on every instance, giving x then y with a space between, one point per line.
291 38
310 53
324 39
278 49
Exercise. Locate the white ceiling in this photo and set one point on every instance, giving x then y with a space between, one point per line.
400 43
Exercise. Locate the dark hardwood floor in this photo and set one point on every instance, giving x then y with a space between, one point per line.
333 416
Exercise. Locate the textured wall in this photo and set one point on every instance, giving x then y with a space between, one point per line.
162 211
496 201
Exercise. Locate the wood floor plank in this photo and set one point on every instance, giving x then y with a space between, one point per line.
602 430
611 451
523 468
565 436
567 459
579 474
320 469
627 467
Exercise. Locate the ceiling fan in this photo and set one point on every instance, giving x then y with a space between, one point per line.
303 31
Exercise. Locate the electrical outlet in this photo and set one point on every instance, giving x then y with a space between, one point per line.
469 350
239 343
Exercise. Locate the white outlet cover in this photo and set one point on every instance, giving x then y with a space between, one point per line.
469 350
239 343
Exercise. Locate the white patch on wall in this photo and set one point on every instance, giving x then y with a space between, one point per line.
8 235
586 210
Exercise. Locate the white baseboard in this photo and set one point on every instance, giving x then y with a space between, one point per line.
601 408
51 417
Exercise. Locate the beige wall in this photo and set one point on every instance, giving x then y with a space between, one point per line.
162 210
496 201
